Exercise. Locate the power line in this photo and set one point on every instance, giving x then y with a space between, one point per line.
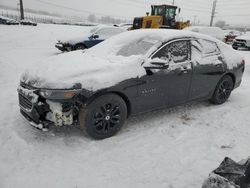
233 15
79 10
197 10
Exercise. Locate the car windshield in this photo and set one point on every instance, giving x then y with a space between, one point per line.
93 30
130 43
139 47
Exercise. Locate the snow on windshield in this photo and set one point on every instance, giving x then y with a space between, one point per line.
107 32
139 47
132 43
94 29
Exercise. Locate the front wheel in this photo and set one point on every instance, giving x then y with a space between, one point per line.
235 47
103 117
222 90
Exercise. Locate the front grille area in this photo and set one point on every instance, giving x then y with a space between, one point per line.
240 40
25 102
26 86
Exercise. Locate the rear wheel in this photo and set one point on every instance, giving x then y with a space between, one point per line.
223 90
103 117
79 47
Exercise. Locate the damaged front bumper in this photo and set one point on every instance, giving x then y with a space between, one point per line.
42 112
63 47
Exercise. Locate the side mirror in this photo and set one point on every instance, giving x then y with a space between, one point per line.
158 64
94 36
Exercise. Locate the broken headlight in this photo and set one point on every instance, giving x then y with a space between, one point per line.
59 94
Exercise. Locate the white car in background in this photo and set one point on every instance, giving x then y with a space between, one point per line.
242 41
215 32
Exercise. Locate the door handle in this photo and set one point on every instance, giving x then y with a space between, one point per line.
183 70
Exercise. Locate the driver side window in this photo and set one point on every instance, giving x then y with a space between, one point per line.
175 52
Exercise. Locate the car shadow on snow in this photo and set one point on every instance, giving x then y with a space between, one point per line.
179 115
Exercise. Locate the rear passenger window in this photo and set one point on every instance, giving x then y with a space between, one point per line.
209 47
177 51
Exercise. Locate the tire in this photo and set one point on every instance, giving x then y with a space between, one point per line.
234 47
103 117
222 90
79 47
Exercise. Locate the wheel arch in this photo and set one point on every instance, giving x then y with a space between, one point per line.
231 75
226 74
126 100
120 94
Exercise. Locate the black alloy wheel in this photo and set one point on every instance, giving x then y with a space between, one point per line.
103 117
223 90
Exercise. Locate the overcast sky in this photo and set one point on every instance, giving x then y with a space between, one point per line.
232 11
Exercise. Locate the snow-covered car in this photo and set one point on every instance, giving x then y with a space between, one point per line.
28 22
8 21
128 74
215 32
230 35
88 40
242 41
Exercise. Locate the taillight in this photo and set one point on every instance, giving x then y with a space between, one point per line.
242 63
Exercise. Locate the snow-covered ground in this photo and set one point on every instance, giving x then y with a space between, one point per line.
173 148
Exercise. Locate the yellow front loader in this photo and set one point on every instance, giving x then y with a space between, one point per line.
162 16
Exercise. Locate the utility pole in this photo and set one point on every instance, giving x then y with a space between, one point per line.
213 13
21 10
173 2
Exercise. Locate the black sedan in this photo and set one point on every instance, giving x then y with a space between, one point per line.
131 73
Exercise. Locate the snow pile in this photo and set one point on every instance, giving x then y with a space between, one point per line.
215 32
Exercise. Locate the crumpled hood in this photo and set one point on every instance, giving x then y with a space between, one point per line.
93 73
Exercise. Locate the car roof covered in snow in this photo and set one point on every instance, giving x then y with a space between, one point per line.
156 36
